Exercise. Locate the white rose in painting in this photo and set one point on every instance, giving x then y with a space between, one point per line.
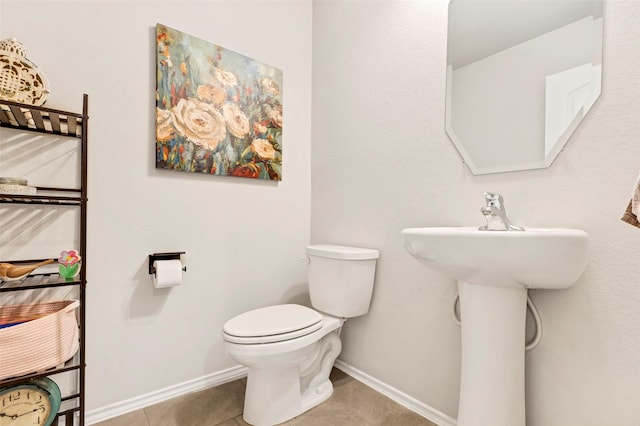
165 130
269 86
263 148
226 77
237 122
213 93
199 122
276 116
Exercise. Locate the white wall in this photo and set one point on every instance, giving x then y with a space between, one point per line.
242 237
381 162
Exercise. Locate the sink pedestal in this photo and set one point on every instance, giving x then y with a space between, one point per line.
493 341
494 269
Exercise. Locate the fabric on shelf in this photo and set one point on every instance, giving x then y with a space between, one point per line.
633 208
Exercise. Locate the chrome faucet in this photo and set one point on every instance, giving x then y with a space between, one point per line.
496 215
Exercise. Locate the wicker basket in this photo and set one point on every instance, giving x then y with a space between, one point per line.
48 337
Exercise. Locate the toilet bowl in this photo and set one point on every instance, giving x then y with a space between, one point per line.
288 372
290 349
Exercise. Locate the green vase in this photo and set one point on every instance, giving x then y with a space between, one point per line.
69 272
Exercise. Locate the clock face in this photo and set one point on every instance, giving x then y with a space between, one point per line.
28 404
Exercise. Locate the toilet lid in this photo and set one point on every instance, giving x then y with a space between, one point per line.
272 324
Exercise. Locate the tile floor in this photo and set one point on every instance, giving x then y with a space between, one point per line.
352 404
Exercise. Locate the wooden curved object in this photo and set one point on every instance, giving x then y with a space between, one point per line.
7 270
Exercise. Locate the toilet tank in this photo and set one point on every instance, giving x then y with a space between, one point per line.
341 279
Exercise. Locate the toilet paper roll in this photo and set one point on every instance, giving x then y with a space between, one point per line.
168 273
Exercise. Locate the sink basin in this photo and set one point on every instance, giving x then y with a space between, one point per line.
535 258
494 270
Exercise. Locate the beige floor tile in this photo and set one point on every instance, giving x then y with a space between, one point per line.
354 403
135 418
409 418
240 421
209 407
232 422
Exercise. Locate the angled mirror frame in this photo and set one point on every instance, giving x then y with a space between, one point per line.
521 76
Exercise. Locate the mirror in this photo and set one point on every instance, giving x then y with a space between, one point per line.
521 75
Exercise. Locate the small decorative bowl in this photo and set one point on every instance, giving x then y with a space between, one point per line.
68 272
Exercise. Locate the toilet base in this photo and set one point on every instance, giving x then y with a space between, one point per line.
289 377
276 394
273 396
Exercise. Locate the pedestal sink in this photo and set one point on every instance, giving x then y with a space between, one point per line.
494 269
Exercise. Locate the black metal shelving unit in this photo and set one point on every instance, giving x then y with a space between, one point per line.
67 124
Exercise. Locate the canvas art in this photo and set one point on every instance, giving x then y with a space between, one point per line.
217 112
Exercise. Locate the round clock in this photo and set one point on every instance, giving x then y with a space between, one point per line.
35 403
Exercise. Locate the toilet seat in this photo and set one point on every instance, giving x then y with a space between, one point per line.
272 324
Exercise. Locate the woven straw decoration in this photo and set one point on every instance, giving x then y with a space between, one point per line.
20 79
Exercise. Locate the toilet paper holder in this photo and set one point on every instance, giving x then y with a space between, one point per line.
164 256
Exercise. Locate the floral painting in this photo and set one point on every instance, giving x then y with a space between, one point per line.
217 112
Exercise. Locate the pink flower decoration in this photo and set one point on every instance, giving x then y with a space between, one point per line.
69 257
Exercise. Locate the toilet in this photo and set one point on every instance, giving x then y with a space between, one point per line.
290 349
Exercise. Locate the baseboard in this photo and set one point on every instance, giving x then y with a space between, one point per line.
235 373
401 398
195 385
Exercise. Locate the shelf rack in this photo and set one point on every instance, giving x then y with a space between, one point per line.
67 124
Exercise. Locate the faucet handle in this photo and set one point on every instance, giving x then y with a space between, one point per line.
495 214
493 199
